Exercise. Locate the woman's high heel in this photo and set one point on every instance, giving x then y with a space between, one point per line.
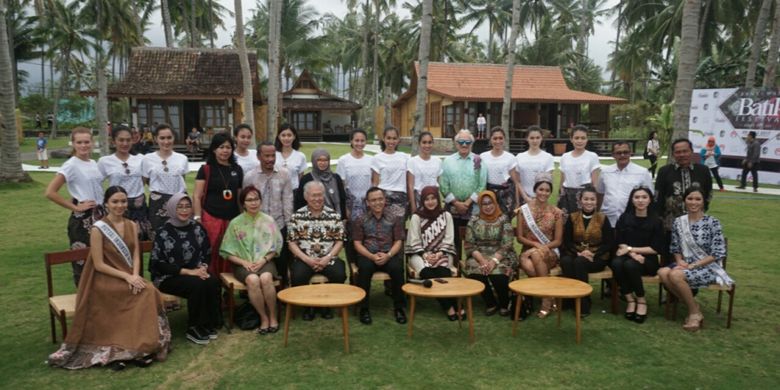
640 318
694 322
630 315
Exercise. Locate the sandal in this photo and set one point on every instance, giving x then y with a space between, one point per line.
543 314
144 362
694 322
490 311
273 329
630 315
503 312
261 331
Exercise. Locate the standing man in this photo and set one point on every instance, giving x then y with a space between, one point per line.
379 239
673 179
616 181
751 161
38 124
276 189
481 126
462 178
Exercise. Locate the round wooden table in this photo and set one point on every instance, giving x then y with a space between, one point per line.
333 295
454 288
552 287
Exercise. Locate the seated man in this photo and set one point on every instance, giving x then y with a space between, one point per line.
315 236
378 239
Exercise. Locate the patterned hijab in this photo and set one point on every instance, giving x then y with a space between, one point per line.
170 208
496 209
424 212
325 176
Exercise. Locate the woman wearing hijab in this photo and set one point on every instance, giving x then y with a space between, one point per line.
710 156
491 256
430 243
335 196
179 266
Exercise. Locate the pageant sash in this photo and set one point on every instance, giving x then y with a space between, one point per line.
120 245
529 220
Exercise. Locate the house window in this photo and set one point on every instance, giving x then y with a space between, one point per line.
435 114
305 120
213 114
453 117
152 113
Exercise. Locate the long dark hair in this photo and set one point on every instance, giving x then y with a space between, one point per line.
631 210
382 140
296 142
216 141
111 191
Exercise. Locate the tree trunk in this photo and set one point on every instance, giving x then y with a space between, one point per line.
758 42
59 92
510 68
101 101
246 75
617 46
774 50
375 68
11 162
364 70
274 29
422 79
686 69
194 35
43 72
166 17
211 35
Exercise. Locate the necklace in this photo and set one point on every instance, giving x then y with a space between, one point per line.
227 194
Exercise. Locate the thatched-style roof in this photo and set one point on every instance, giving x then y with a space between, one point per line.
305 95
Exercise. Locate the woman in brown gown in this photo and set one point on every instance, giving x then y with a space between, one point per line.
119 316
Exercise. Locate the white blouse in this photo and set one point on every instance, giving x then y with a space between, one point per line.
165 182
392 170
84 180
528 166
295 164
577 170
127 174
426 172
356 173
498 168
248 162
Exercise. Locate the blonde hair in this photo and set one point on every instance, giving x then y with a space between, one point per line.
79 130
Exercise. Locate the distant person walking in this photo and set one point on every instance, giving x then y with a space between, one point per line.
710 156
41 151
38 123
50 120
751 161
651 152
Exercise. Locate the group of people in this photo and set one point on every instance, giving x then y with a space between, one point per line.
257 215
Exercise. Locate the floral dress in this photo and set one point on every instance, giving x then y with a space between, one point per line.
546 221
708 234
490 239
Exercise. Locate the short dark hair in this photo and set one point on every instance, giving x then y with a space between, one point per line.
382 141
264 143
245 192
242 127
680 140
216 141
652 133
296 141
119 129
586 188
497 129
692 189
620 142
424 134
581 128
752 133
538 183
373 189
163 126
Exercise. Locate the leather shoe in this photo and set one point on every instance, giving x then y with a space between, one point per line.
365 316
400 316
308 314
326 313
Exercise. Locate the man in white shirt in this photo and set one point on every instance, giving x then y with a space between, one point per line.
616 181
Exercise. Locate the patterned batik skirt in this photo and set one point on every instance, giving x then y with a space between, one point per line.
397 204
505 195
157 214
567 202
138 211
79 226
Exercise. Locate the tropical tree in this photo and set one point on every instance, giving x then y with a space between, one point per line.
274 19
246 75
774 50
496 13
165 10
196 19
422 79
758 42
686 68
510 67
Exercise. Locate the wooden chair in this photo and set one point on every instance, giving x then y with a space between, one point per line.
233 285
604 277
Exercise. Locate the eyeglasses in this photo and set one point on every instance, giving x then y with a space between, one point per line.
127 170
183 206
165 165
463 142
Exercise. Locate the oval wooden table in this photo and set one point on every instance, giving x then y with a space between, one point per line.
553 287
334 295
454 288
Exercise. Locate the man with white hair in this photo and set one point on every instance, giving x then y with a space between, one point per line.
462 178
315 236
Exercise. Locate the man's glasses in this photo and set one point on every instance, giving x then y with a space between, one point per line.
463 142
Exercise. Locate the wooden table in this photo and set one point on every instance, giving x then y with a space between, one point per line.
454 288
553 287
333 295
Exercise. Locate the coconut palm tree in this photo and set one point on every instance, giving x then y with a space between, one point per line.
774 50
510 67
246 75
422 77
758 42
686 69
497 14
274 23
165 10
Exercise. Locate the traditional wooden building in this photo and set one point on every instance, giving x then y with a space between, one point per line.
186 88
458 93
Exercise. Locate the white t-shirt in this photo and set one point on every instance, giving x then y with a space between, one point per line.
426 173
391 169
356 173
498 167
577 170
616 185
295 164
84 180
528 166
117 174
170 182
248 162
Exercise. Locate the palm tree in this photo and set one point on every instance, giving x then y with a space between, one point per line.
506 107
194 18
774 50
422 79
246 75
10 161
686 68
758 42
165 10
494 12
274 43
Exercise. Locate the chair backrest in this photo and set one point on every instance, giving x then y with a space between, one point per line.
726 241
462 236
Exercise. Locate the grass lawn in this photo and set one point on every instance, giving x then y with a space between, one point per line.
614 353
28 144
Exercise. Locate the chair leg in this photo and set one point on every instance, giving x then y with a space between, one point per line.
613 290
53 327
660 294
731 306
720 298
63 324
231 307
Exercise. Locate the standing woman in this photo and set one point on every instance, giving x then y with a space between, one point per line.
335 196
651 150
119 316
502 177
245 157
578 168
531 163
639 238
388 172
83 179
540 230
287 154
710 156
422 171
164 170
354 169
217 187
124 169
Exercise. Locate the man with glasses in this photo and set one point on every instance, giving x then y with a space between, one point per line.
616 181
462 178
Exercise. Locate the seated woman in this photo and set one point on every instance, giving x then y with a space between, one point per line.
587 242
251 241
119 316
430 243
540 230
335 195
193 140
491 256
179 266
639 239
698 248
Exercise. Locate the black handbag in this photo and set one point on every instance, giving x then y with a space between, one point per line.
246 317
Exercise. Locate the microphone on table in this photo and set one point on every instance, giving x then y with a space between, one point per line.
425 283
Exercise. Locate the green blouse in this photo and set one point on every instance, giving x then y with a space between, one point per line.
250 238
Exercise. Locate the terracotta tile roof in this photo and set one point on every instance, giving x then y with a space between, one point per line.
160 71
485 82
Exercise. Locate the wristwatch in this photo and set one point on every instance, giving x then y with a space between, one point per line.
630 248
196 218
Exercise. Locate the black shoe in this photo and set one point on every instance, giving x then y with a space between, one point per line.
400 316
640 318
308 314
197 336
212 333
490 311
630 315
326 313
117 365
365 316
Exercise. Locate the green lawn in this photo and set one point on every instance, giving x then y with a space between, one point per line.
614 353
28 144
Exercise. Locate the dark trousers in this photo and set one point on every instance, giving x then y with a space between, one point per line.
578 267
500 283
439 272
753 170
202 298
394 267
300 272
653 164
716 175
628 273
282 261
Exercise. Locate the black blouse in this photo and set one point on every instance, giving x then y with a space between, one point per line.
640 232
221 178
176 248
